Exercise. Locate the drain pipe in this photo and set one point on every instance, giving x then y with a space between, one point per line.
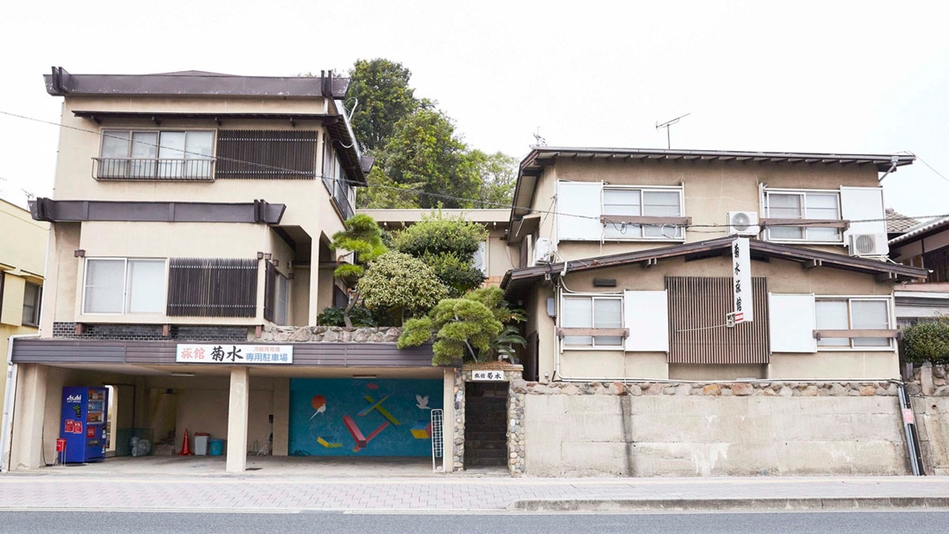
8 399
909 429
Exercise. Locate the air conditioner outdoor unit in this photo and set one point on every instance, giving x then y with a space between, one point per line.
543 250
743 223
868 245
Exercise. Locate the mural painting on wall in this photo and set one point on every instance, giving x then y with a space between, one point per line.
349 417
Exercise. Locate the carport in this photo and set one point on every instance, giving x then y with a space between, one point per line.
331 403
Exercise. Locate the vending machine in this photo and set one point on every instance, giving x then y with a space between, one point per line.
84 423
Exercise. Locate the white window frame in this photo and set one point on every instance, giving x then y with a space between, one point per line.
850 299
680 231
621 347
803 194
125 286
157 174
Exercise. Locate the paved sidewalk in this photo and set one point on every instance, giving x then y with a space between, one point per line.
439 494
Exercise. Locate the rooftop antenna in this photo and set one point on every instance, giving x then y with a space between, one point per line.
538 139
669 123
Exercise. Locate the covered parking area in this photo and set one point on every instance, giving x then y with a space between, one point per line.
332 405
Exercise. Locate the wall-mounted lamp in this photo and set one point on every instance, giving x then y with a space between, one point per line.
81 253
260 255
276 263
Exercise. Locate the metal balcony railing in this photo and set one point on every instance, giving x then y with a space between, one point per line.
153 169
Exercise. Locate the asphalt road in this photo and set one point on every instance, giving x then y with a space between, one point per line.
327 523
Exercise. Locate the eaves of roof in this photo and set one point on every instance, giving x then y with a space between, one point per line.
517 279
921 229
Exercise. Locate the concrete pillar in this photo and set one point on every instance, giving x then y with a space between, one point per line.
237 409
448 427
281 416
29 410
313 306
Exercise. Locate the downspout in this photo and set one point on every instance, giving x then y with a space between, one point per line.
8 400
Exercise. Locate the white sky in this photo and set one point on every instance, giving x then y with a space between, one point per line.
812 76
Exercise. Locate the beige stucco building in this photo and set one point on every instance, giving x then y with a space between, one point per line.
22 259
627 265
189 258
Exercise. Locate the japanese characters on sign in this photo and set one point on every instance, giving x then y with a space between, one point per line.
741 269
228 353
487 376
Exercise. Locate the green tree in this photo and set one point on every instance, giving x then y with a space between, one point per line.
927 341
384 97
363 238
383 193
447 245
462 329
498 175
401 286
470 328
423 148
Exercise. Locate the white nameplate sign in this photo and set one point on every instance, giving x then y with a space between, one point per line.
487 376
228 353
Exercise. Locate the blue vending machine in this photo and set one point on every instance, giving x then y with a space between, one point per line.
84 423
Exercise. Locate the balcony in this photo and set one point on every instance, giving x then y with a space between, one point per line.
124 169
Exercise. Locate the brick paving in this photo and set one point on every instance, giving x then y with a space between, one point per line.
447 493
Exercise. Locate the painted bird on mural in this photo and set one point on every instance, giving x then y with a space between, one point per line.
422 402
319 404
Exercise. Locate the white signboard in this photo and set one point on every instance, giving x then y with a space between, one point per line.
222 353
487 376
741 267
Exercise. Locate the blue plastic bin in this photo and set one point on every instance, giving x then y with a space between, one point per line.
217 447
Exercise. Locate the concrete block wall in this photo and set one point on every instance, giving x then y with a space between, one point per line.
623 430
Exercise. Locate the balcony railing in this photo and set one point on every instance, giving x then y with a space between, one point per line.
153 169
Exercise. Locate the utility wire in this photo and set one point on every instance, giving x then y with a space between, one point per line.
427 193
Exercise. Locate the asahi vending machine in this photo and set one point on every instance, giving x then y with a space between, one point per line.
84 423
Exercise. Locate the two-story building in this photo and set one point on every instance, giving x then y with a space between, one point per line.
685 305
22 259
189 258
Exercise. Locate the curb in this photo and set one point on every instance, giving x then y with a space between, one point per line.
659 505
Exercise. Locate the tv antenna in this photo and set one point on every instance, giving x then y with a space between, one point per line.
669 123
538 139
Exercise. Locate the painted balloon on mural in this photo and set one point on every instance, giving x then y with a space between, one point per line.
319 404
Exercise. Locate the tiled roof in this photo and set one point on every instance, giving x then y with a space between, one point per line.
897 223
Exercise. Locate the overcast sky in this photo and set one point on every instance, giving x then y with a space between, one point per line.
812 76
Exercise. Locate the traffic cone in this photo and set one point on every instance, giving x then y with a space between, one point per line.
185 446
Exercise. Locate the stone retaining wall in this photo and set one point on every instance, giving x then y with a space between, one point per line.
706 429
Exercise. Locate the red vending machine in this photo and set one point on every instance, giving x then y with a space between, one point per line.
84 423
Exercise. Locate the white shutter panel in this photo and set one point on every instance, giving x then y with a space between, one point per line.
860 204
646 315
792 322
578 211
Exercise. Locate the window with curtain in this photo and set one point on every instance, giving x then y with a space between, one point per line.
592 312
641 203
156 154
803 205
853 314
123 285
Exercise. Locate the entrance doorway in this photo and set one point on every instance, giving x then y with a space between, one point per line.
485 424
